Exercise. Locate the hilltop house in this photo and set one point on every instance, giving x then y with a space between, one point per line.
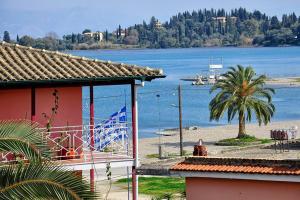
121 34
158 24
223 20
98 36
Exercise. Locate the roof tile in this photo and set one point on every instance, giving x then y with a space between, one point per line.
19 63
235 165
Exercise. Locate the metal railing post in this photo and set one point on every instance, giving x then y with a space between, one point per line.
92 172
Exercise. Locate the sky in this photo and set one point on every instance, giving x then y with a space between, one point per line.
38 17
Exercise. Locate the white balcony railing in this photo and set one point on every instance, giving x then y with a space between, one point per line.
73 142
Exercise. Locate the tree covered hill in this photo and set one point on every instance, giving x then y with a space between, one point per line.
218 28
202 28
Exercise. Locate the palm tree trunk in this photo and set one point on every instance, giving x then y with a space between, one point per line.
242 126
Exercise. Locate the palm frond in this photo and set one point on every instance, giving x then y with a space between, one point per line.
42 181
22 137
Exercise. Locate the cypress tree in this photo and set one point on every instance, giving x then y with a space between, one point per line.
73 38
275 23
6 37
106 35
120 31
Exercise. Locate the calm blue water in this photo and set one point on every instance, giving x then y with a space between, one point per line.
158 113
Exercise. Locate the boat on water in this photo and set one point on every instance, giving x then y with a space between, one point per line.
165 133
213 74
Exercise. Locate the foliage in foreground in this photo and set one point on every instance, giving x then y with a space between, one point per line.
37 177
41 181
22 138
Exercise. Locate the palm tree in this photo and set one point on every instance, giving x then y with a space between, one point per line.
39 178
241 91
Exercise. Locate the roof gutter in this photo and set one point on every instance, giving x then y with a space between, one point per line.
240 176
77 81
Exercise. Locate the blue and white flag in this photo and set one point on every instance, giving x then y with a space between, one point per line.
112 130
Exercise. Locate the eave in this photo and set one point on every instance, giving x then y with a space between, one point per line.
76 82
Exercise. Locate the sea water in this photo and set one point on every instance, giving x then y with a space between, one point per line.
158 100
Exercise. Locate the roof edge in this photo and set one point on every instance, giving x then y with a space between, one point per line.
78 81
241 161
237 176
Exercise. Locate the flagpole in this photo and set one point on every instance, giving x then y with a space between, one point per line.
127 148
134 114
92 172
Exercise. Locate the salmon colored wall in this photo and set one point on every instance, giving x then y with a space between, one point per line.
225 189
69 106
16 104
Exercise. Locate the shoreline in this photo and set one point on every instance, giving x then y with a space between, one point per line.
175 130
205 47
195 128
284 81
209 135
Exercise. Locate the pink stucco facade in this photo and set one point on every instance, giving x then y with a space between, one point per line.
16 104
70 105
235 189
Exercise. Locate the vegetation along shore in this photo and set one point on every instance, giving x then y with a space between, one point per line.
201 28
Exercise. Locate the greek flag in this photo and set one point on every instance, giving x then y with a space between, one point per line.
112 130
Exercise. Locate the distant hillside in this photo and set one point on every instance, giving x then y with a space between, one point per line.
202 28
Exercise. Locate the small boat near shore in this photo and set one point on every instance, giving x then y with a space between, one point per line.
165 133
214 74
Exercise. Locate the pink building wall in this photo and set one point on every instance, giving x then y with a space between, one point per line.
69 106
16 104
225 189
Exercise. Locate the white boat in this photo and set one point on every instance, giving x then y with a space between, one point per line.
164 133
214 74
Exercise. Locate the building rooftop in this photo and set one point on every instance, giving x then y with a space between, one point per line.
239 165
20 65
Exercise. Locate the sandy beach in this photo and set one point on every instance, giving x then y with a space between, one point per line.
209 135
284 81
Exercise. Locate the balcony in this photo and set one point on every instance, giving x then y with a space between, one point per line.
71 147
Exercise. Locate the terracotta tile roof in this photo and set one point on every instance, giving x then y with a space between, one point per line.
236 165
20 64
